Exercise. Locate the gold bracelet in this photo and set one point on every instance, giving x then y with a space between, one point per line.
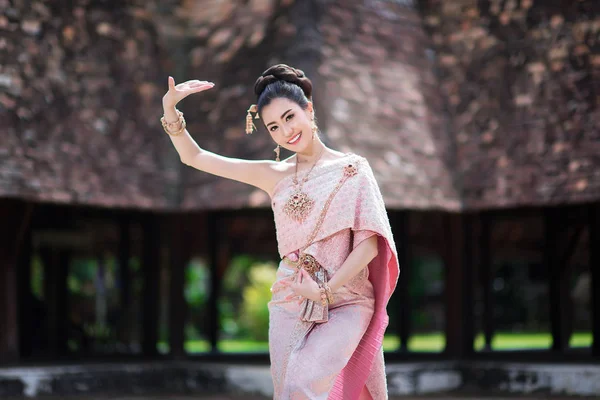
168 125
323 296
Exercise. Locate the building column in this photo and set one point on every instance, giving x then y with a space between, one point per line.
9 334
56 268
400 227
177 304
459 285
594 251
151 256
15 217
485 268
552 228
219 256
26 308
124 255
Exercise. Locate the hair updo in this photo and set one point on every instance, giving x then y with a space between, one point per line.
283 81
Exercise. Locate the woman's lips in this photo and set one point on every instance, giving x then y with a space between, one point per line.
295 139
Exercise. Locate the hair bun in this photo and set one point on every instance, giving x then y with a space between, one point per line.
283 72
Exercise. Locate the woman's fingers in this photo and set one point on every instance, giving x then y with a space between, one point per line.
195 83
306 275
203 87
184 89
192 85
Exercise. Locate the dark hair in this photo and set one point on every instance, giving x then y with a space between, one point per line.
283 81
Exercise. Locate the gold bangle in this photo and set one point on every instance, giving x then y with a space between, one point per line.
167 126
323 295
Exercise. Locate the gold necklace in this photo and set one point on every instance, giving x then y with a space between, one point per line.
299 204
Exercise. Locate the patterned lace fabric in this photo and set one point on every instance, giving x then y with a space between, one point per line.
305 367
333 359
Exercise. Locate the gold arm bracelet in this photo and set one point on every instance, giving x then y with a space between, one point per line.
167 126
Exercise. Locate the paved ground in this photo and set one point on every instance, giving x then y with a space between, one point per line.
225 397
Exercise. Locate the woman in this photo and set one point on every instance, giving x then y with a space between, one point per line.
339 264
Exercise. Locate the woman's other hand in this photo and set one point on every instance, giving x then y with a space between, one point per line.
180 91
304 286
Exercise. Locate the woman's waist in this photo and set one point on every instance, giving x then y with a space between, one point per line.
283 295
358 285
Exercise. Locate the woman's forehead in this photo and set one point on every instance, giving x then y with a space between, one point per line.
277 107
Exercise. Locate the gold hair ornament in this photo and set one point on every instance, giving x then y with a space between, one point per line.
249 124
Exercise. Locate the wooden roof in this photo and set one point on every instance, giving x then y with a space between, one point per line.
455 104
521 86
79 106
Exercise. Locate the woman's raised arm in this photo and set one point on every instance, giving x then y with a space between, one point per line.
261 173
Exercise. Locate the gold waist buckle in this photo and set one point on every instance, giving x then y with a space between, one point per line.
306 262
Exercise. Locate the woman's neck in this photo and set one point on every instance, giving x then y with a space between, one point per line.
312 153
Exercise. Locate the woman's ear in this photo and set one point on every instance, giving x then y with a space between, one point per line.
310 108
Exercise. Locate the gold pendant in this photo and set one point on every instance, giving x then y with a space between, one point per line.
298 206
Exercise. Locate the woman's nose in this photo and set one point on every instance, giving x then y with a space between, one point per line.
287 130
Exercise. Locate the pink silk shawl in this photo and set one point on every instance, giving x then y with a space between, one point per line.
357 206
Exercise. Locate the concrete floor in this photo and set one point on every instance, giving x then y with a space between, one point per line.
229 397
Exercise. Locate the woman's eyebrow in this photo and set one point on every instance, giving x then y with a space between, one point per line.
282 116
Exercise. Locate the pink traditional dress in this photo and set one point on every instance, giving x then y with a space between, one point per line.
332 352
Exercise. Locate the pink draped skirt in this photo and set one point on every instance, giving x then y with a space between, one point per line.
307 357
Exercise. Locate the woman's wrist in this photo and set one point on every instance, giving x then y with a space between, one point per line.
322 294
168 107
170 113
316 295
332 286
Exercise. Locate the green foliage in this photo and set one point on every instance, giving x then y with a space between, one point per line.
230 302
37 277
255 312
196 292
196 284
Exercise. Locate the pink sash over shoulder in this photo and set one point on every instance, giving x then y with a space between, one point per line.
335 356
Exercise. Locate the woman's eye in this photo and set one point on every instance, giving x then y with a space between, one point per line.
289 117
273 128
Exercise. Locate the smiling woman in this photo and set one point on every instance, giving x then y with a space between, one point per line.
339 266
284 101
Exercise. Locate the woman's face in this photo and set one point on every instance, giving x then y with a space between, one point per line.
289 125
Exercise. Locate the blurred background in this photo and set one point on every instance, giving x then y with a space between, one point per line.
480 119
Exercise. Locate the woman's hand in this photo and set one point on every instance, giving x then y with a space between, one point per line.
182 90
304 286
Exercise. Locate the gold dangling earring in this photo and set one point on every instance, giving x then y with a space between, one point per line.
314 130
249 124
277 149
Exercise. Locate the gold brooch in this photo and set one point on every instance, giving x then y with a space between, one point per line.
350 170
